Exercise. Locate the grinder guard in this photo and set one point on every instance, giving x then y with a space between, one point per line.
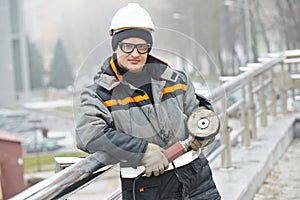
203 124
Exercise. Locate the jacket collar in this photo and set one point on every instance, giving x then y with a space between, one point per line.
109 76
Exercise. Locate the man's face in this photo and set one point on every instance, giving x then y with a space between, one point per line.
134 61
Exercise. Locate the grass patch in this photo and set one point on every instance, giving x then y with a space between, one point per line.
64 109
33 163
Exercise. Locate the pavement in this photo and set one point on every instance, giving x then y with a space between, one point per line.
284 180
251 166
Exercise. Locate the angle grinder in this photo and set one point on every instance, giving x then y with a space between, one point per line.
203 125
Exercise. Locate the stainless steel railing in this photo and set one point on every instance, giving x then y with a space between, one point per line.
66 182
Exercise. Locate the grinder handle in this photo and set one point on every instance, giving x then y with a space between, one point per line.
174 151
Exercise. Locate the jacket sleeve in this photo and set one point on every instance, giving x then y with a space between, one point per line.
193 101
95 131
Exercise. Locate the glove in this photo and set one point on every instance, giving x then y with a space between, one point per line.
155 160
198 144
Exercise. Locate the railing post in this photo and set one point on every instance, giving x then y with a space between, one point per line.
273 94
291 70
283 90
225 137
246 135
263 119
253 111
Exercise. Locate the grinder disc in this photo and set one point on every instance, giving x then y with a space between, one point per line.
203 124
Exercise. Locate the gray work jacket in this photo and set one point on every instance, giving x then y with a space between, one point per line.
119 120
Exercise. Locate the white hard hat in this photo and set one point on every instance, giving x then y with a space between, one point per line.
131 16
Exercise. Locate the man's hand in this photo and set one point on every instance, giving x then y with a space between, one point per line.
155 160
197 144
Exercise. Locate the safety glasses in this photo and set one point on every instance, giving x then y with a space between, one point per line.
129 47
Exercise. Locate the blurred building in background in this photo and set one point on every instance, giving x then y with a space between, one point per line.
13 53
11 165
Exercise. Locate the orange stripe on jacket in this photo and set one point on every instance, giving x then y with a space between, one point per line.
125 101
174 88
114 68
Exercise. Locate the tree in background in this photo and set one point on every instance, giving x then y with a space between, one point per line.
61 74
36 66
288 19
262 27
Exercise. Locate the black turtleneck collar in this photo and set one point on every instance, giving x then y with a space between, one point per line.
121 70
141 80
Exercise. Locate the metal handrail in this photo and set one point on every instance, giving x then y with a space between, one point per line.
243 79
71 179
66 182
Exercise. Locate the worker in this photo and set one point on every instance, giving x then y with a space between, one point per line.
136 108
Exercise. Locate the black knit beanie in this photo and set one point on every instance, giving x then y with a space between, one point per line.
139 33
